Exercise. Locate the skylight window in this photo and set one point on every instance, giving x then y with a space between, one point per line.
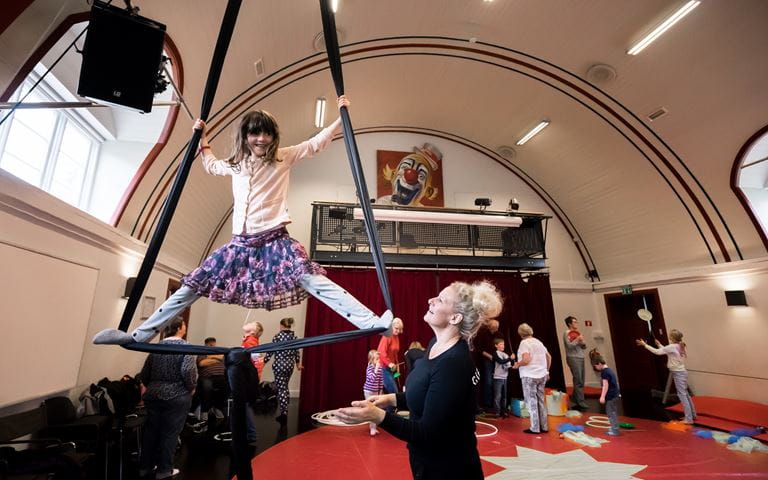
53 150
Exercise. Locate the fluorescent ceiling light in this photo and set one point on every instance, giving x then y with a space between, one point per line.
533 132
420 216
665 25
334 5
320 112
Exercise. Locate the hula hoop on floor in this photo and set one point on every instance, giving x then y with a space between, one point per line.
598 421
482 435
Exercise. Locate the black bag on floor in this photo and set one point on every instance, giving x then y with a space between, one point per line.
125 394
266 398
56 462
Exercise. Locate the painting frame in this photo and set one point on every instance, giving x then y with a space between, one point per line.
147 307
412 178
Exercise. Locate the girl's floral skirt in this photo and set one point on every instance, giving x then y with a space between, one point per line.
262 270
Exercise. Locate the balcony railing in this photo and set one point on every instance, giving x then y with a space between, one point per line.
339 238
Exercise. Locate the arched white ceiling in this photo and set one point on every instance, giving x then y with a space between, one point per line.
642 196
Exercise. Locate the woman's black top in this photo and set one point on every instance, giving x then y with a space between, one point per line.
440 395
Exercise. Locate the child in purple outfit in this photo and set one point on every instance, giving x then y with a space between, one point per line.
373 382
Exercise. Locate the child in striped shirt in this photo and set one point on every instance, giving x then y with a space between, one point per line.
373 382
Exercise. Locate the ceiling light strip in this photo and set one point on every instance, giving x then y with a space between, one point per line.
665 25
535 130
320 112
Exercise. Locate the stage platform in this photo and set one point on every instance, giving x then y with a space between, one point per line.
648 452
728 414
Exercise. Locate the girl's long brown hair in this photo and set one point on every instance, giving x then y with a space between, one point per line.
254 122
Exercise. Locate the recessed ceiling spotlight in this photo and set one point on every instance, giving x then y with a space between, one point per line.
601 73
663 27
506 151
534 131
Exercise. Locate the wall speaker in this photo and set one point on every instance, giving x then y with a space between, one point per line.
735 298
129 287
121 58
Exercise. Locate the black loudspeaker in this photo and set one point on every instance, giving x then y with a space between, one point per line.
121 58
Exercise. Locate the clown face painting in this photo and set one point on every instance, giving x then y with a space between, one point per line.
410 178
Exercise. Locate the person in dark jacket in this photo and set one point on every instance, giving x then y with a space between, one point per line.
415 352
170 381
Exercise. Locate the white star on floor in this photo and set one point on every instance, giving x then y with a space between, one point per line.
575 464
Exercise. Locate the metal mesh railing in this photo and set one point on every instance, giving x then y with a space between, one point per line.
335 227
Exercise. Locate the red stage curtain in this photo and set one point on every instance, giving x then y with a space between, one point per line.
333 374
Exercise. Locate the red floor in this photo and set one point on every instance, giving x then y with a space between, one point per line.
350 453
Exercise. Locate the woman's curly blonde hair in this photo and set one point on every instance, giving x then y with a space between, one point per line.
477 303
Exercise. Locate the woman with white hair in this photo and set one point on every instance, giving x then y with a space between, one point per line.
533 364
440 393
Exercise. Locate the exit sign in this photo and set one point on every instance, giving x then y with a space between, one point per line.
626 290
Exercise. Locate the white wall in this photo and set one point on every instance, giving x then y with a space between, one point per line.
22 37
327 177
725 354
29 318
40 223
726 350
581 303
726 345
115 168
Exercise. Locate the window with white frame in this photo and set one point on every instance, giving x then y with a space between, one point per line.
52 149
87 157
752 178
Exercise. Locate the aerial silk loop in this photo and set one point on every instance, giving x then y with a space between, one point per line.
243 380
187 349
169 207
334 59
241 375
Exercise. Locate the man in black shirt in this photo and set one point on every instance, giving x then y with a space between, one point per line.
483 349
211 380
